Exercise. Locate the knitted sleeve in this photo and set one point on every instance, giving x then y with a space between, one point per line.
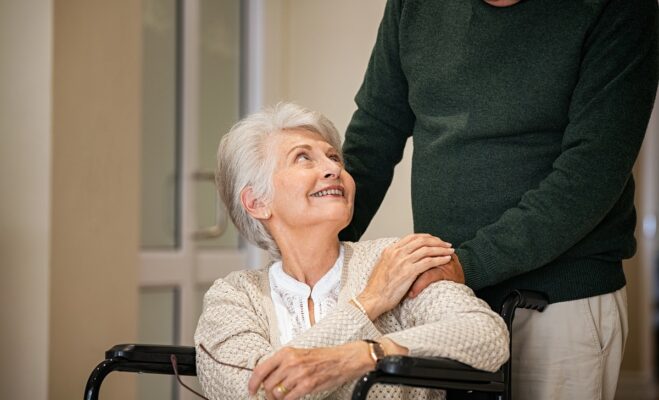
234 331
448 320
608 115
376 136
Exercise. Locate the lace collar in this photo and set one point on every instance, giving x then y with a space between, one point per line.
290 297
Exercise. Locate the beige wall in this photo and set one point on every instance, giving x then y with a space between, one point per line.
69 145
25 51
95 195
316 55
638 364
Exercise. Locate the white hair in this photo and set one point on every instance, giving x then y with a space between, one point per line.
245 160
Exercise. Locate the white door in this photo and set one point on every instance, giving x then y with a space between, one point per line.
195 86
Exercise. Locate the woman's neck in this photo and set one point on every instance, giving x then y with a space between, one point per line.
308 256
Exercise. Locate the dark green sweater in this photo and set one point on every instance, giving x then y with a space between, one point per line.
526 122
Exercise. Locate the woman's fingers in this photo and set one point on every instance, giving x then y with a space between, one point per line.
283 389
284 371
427 247
430 252
275 382
399 266
416 246
415 240
296 393
422 241
262 372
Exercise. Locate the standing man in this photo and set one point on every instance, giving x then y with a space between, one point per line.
527 117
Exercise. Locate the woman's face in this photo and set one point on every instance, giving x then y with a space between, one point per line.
311 187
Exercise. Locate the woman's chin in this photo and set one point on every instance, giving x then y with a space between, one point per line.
334 221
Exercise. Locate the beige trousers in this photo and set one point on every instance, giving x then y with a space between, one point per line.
572 350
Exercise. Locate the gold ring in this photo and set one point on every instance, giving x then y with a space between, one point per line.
281 388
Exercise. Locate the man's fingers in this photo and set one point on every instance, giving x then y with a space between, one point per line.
450 270
424 280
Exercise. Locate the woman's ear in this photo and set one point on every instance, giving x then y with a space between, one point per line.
254 206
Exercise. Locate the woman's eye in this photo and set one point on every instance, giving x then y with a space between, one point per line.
335 157
302 157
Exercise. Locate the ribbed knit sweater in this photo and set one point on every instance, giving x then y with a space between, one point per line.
238 325
526 122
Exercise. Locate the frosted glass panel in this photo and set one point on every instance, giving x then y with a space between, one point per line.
159 134
219 102
157 320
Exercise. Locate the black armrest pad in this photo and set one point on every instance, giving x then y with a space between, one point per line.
435 368
145 353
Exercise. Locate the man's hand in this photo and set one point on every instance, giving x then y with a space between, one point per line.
451 271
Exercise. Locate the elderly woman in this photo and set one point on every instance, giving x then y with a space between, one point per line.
323 312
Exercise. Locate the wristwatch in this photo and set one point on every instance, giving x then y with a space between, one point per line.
375 349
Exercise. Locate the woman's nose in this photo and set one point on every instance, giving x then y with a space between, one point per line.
332 169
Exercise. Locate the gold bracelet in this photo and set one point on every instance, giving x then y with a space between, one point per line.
359 305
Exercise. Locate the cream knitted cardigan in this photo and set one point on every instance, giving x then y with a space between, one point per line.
238 326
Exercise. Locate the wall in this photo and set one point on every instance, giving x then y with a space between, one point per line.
316 54
25 102
95 189
636 379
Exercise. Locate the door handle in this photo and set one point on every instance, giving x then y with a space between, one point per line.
221 220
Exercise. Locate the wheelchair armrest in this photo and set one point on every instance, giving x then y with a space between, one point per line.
435 368
429 372
153 354
152 359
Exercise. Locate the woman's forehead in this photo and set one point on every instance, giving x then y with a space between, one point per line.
294 137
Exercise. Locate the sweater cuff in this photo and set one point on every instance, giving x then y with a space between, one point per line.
413 347
368 330
476 276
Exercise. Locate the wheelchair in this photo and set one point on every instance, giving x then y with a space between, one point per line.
459 380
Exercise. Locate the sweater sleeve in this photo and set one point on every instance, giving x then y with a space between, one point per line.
236 332
608 115
342 325
231 329
448 320
376 136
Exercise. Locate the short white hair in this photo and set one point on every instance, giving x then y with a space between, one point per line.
244 159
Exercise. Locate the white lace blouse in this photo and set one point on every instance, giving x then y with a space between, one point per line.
290 296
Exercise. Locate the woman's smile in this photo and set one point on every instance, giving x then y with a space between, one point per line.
332 191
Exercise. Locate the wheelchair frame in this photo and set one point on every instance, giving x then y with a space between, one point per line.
435 373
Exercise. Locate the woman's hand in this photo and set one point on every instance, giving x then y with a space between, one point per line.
292 373
399 266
